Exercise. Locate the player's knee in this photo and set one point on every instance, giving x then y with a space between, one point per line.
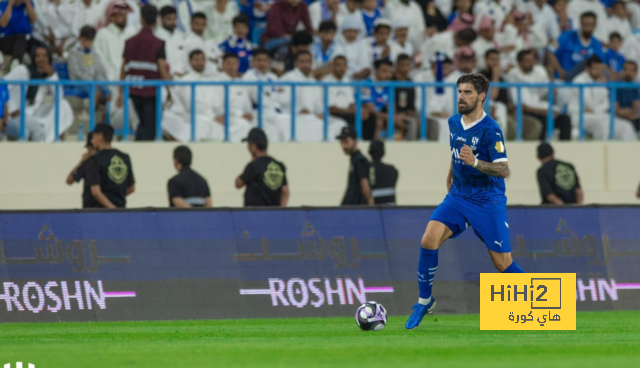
430 242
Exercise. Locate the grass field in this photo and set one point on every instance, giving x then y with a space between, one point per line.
602 339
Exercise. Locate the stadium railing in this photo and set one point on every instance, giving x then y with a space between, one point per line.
357 85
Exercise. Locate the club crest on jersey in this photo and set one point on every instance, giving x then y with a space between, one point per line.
474 143
499 147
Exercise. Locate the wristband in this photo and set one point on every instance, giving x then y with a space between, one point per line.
475 163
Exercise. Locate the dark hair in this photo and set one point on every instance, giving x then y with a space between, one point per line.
632 62
341 57
327 25
261 145
167 10
544 150
182 154
88 33
479 81
522 54
197 15
588 14
615 35
402 57
229 55
195 52
466 35
259 51
89 138
491 52
381 25
301 38
240 19
376 150
593 59
105 130
149 14
303 52
380 62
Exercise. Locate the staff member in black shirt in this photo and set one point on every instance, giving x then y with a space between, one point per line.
382 177
265 178
358 189
79 173
188 188
558 181
109 174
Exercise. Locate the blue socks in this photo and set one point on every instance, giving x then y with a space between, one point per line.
427 267
513 268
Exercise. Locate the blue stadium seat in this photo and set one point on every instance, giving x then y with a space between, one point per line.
63 73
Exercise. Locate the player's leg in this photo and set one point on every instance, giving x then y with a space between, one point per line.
445 222
491 225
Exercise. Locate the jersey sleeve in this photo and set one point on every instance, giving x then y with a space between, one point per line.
545 183
174 189
91 171
495 144
249 174
361 170
130 178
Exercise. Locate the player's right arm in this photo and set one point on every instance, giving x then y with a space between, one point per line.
450 176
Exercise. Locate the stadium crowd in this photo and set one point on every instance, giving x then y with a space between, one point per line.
535 41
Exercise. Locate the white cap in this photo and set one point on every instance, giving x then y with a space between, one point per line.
350 22
382 22
400 23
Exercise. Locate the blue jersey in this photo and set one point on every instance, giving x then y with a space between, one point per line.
379 96
19 22
4 98
487 142
241 47
615 60
370 20
571 50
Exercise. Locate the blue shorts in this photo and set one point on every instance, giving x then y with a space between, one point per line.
488 219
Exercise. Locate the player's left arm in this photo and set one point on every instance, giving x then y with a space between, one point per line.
497 154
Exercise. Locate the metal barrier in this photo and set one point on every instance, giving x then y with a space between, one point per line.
357 85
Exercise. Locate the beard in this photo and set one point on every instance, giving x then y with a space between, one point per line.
466 109
586 35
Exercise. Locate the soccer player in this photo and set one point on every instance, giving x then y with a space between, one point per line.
475 187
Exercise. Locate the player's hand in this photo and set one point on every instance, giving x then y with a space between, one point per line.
466 155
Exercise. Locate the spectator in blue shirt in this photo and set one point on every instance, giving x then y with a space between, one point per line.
628 99
575 47
614 59
376 99
238 43
370 13
4 106
15 24
323 49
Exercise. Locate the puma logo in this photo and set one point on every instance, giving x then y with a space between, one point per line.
421 277
500 244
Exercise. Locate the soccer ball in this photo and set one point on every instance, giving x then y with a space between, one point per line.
371 316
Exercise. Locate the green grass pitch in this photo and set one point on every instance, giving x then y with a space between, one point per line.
602 339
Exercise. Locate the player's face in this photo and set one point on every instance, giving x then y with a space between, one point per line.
588 25
629 72
340 67
304 63
261 63
348 145
169 22
382 35
241 30
350 34
596 70
198 25
198 62
384 73
468 98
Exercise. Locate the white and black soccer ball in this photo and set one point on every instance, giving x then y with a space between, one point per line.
371 316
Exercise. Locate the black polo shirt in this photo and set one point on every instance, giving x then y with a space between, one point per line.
111 169
358 169
80 174
559 178
264 178
383 179
190 186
